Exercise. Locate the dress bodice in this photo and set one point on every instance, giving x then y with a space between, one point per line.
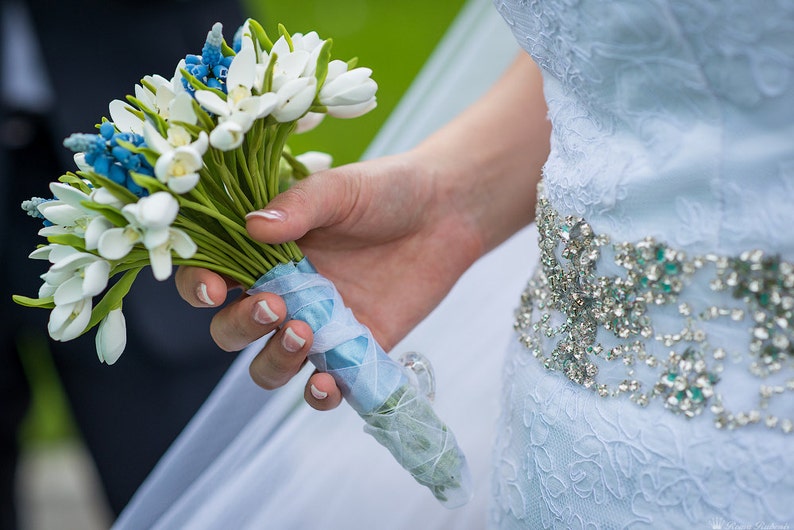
679 111
663 306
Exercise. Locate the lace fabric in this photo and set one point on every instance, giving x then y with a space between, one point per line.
666 114
672 120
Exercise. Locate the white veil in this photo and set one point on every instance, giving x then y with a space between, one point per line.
257 459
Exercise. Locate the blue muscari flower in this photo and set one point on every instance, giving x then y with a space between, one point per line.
211 52
211 67
109 159
237 42
31 206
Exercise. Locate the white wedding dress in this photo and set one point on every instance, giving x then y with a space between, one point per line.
651 384
649 381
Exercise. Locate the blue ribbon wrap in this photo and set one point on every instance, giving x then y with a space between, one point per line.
375 385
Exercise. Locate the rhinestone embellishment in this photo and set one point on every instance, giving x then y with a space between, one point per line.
581 321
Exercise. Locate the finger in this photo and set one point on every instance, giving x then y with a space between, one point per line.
321 392
201 287
320 200
247 319
283 355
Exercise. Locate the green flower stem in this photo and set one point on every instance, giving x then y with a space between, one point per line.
271 183
247 155
293 250
236 231
239 154
221 177
255 150
225 221
261 168
124 266
224 206
206 240
282 132
272 251
232 184
244 279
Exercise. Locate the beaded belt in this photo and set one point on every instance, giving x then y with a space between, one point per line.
597 312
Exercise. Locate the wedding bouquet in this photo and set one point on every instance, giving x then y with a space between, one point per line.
169 179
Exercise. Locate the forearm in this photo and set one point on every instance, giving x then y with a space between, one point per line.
488 161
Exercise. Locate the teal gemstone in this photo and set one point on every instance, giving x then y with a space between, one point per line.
763 299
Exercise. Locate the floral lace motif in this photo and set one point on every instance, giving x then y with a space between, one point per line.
658 97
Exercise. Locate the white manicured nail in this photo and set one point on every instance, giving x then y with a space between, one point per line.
203 295
270 215
317 393
263 314
291 341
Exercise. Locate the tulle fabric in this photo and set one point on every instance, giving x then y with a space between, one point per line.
257 459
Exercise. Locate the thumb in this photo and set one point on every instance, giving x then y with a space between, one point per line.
321 200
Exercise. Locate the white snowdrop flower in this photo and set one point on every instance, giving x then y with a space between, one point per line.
241 105
150 222
177 166
349 94
68 214
294 98
111 337
315 161
309 121
68 321
75 275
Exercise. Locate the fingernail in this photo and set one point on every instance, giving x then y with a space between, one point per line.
291 341
263 314
317 393
203 295
270 215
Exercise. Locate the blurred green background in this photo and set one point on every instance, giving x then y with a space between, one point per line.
394 39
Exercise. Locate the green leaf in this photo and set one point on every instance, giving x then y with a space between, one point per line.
75 181
117 190
108 212
287 37
261 35
148 86
140 114
268 83
352 63
322 63
206 120
154 117
44 303
198 85
299 170
112 298
194 130
148 153
226 50
151 184
69 240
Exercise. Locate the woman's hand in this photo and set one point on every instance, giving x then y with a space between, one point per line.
394 234
384 231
